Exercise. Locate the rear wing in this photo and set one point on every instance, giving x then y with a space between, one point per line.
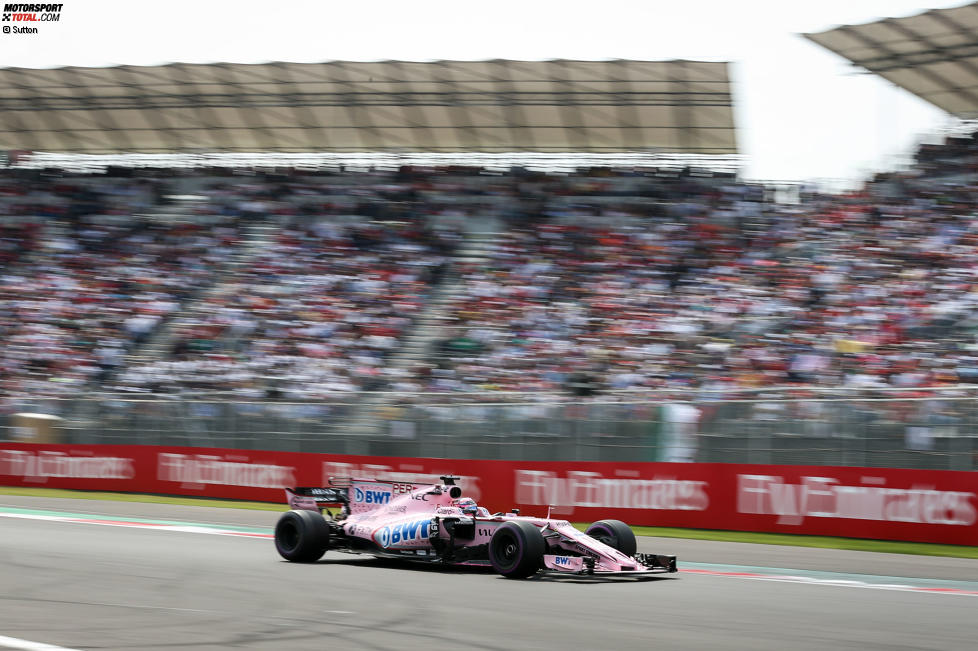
315 499
357 495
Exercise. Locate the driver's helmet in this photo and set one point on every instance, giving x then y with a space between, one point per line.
467 504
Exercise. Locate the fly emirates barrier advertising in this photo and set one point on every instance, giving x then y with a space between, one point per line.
880 503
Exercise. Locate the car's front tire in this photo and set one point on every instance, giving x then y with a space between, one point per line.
614 533
301 536
516 549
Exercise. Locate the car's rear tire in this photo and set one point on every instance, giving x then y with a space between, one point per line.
301 536
614 533
516 549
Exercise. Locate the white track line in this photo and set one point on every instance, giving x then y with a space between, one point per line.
27 645
839 583
183 528
753 576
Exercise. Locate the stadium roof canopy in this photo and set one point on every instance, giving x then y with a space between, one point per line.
390 106
934 55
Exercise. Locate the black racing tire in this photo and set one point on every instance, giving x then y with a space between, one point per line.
301 536
516 549
614 533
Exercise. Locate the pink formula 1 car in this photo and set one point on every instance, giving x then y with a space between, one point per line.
436 523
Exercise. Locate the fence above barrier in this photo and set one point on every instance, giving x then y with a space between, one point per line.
893 504
934 428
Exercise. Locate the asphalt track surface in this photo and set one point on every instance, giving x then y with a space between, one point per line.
84 586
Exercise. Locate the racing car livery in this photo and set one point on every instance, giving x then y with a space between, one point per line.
435 523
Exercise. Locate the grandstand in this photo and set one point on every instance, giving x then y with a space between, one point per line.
639 304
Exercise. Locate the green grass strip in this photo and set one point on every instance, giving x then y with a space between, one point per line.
824 542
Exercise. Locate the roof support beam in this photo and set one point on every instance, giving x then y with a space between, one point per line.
302 112
513 115
964 63
99 117
576 132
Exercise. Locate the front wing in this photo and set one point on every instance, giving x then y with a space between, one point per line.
584 565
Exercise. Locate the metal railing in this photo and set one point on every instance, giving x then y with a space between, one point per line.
934 428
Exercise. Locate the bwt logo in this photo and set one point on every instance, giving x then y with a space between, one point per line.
562 560
371 497
396 534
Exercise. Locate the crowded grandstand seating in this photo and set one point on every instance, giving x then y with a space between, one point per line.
596 282
100 284
712 290
315 313
954 156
